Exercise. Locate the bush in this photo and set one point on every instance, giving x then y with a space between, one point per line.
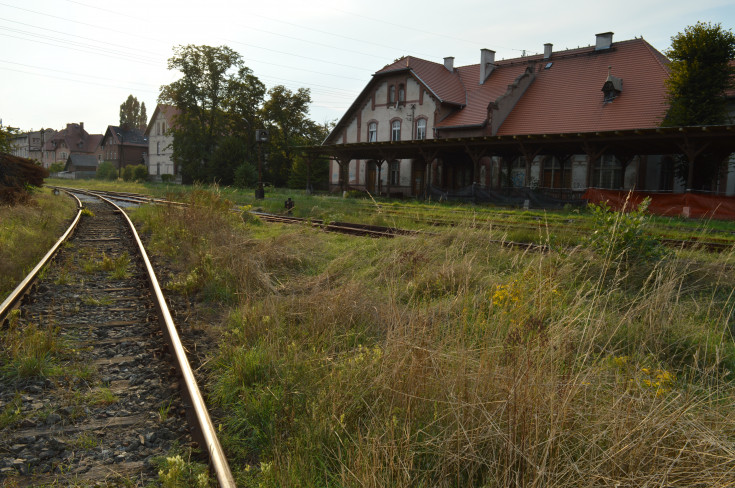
167 178
246 176
622 235
140 173
128 173
56 167
106 171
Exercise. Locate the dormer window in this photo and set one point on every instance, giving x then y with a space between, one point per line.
612 88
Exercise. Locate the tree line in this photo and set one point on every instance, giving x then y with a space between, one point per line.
221 103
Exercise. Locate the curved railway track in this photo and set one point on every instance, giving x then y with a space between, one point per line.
112 389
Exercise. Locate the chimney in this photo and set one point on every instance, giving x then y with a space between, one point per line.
603 41
449 63
547 50
487 64
81 124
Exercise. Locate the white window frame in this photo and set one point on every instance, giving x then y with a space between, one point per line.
373 132
395 130
421 129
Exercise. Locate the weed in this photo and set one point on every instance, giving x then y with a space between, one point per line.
28 351
163 411
85 440
97 302
12 412
101 396
87 212
175 472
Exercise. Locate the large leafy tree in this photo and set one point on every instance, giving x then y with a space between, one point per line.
701 74
286 114
218 99
133 113
308 171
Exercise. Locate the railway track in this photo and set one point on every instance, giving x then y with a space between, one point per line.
710 243
96 384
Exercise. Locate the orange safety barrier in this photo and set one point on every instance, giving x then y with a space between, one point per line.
669 204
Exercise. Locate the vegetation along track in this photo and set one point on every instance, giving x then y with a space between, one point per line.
89 390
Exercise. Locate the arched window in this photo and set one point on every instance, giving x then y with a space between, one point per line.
372 132
421 129
401 93
392 94
158 148
395 130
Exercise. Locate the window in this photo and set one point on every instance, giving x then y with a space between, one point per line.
421 129
158 148
392 94
401 93
395 168
395 130
372 132
608 173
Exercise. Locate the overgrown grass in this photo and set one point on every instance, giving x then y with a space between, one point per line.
27 232
28 351
449 360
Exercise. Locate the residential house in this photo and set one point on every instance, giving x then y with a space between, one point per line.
57 147
160 143
557 122
123 146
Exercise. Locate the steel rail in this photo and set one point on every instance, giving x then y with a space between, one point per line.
206 431
14 298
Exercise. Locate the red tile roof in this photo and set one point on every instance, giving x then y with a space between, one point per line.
567 97
445 85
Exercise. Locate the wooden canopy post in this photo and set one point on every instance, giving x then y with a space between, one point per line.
343 160
529 154
429 156
691 151
475 153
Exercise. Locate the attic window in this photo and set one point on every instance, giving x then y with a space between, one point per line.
612 88
548 65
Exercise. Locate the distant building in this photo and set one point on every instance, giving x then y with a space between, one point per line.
160 143
556 123
59 145
80 166
123 146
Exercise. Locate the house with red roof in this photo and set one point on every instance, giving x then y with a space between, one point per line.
160 143
59 145
514 121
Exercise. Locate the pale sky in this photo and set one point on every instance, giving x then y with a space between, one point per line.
77 60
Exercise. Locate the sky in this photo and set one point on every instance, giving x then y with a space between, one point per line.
65 61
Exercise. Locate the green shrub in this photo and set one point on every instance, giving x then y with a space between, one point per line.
246 176
106 171
56 167
622 235
140 173
128 173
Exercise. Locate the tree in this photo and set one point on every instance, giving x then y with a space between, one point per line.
6 136
701 74
218 99
132 113
307 171
285 112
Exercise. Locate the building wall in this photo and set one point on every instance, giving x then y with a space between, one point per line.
160 147
375 108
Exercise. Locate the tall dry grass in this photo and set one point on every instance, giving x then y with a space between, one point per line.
447 360
27 232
